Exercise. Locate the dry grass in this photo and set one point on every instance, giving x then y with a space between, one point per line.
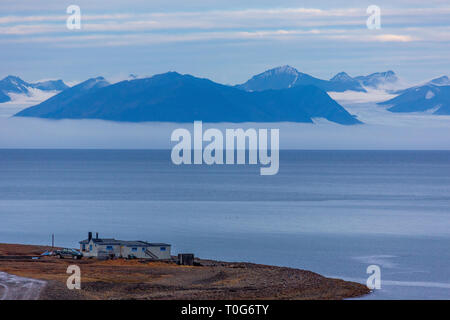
133 279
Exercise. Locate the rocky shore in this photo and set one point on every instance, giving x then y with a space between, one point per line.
135 279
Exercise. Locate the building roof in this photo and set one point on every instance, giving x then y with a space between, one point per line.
111 242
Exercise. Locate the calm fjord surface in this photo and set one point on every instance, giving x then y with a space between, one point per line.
332 212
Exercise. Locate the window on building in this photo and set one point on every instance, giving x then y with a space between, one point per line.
162 249
109 248
90 247
143 249
83 247
134 249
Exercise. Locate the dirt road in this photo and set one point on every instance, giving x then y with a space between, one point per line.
17 288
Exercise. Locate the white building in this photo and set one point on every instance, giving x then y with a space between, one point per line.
98 247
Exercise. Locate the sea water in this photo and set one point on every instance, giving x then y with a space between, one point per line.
331 212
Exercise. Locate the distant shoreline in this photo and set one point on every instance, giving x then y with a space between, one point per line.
133 279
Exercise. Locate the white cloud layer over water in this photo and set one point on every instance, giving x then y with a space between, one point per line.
41 133
381 129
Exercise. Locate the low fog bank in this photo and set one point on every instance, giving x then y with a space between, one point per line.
93 134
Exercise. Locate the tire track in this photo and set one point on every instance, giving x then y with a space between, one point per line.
18 288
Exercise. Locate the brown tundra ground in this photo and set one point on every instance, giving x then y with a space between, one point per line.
135 279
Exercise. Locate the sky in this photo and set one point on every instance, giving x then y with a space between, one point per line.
226 41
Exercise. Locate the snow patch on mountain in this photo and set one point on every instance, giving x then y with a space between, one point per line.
433 109
430 95
286 69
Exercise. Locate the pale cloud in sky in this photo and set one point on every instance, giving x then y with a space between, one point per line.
271 18
223 40
394 38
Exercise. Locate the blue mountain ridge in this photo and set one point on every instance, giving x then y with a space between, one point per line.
429 97
4 97
13 84
287 77
377 79
64 99
50 85
172 97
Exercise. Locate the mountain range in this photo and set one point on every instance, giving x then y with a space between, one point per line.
173 97
279 94
287 77
432 97
13 84
378 79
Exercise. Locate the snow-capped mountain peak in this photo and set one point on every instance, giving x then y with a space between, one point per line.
441 81
13 85
97 82
378 79
276 78
341 76
286 69
285 77
279 71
